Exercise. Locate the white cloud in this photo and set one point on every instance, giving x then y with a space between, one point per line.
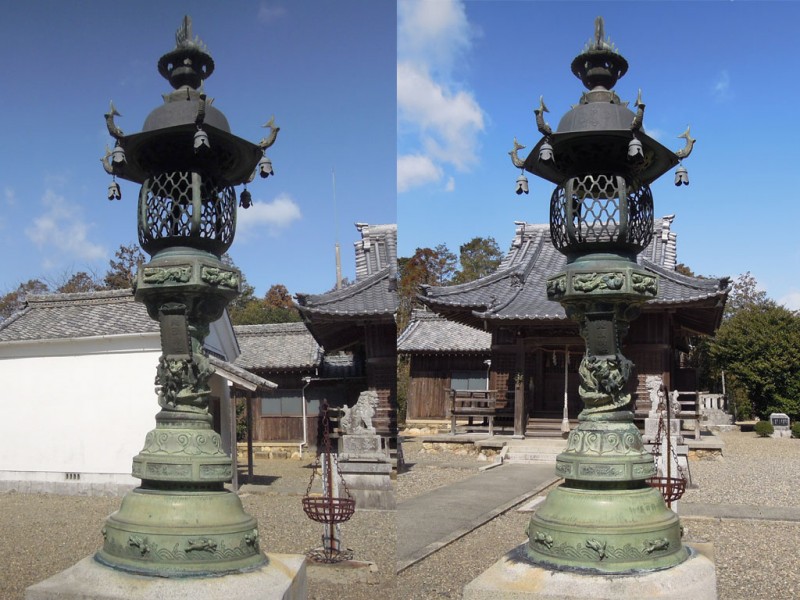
272 216
451 185
432 33
448 121
269 13
60 232
439 121
722 86
414 170
10 196
791 300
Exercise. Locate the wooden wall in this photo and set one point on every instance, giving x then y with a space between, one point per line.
430 377
284 429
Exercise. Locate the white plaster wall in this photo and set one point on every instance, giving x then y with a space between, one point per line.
81 406
84 407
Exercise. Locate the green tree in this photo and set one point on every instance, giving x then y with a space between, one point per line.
479 257
121 272
14 300
443 267
744 293
275 307
759 346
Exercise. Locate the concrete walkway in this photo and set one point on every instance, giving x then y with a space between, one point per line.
431 521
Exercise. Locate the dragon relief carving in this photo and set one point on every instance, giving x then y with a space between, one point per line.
220 277
602 382
556 286
589 282
168 274
182 384
644 284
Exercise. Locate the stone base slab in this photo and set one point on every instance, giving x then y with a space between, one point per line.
513 577
282 578
370 484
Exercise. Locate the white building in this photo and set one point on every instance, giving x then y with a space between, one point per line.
77 373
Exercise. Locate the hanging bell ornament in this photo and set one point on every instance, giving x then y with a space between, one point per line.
245 199
522 184
681 176
635 151
265 167
546 154
118 156
114 193
201 143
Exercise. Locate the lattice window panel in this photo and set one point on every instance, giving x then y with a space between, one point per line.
595 207
558 218
168 209
167 206
640 216
601 209
218 212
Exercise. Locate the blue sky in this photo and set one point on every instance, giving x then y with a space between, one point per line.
325 70
470 74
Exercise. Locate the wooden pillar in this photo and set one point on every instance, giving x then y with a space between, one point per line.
381 365
538 399
249 415
520 412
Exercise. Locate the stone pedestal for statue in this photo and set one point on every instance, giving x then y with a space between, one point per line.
514 577
366 468
283 577
364 460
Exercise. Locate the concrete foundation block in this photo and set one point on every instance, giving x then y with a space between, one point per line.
282 578
513 577
370 484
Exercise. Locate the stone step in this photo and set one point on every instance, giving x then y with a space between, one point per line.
535 451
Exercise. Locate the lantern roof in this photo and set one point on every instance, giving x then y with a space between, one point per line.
166 142
593 136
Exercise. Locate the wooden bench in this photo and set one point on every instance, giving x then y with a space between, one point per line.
472 403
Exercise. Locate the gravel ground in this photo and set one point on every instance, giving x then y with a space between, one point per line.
756 560
428 470
44 534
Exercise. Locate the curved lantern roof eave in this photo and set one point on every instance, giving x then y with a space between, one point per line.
239 154
658 159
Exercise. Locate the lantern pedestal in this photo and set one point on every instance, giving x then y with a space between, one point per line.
513 577
282 578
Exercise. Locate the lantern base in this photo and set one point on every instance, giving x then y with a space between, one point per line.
282 578
605 529
513 577
181 534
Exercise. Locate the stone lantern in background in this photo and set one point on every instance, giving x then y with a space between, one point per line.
181 521
604 518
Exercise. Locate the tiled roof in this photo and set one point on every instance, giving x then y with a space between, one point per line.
231 372
428 332
374 293
277 346
516 291
376 249
60 316
374 296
